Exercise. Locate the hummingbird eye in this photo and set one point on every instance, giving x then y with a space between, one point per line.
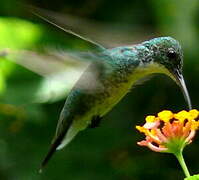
172 54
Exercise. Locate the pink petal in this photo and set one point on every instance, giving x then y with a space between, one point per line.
156 149
191 136
151 125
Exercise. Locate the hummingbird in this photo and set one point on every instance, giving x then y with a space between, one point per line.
110 75
115 72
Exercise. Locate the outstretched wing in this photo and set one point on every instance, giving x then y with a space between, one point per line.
50 18
107 34
60 70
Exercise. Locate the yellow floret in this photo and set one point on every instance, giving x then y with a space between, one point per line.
182 115
194 125
165 115
142 130
153 132
150 119
193 114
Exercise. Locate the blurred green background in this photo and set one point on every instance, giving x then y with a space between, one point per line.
110 151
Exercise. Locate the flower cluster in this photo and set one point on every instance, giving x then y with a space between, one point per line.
169 132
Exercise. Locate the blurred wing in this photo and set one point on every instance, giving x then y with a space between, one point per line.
50 63
110 35
60 71
51 19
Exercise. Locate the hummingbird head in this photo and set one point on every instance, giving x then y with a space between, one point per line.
166 52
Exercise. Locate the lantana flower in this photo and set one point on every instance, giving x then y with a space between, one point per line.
170 132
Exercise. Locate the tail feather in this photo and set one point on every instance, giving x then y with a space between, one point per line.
67 129
56 142
52 150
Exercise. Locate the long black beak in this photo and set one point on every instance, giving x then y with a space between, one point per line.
180 81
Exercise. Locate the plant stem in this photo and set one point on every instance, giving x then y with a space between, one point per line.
180 158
